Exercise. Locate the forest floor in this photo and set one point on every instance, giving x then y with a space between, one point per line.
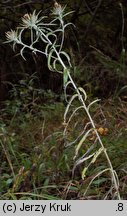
36 164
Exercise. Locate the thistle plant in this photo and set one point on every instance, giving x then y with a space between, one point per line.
51 34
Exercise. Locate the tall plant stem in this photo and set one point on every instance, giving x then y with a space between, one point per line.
98 137
93 125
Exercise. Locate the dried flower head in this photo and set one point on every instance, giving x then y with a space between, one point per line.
56 4
57 9
11 36
30 20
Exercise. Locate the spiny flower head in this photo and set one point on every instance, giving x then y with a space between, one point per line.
11 36
30 20
57 9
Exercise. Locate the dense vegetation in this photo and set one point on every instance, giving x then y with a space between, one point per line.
38 161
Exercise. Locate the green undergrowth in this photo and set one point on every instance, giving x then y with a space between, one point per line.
35 164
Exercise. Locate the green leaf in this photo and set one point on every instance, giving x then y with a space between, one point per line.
84 172
83 91
73 188
49 60
99 181
46 182
9 181
81 142
65 76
